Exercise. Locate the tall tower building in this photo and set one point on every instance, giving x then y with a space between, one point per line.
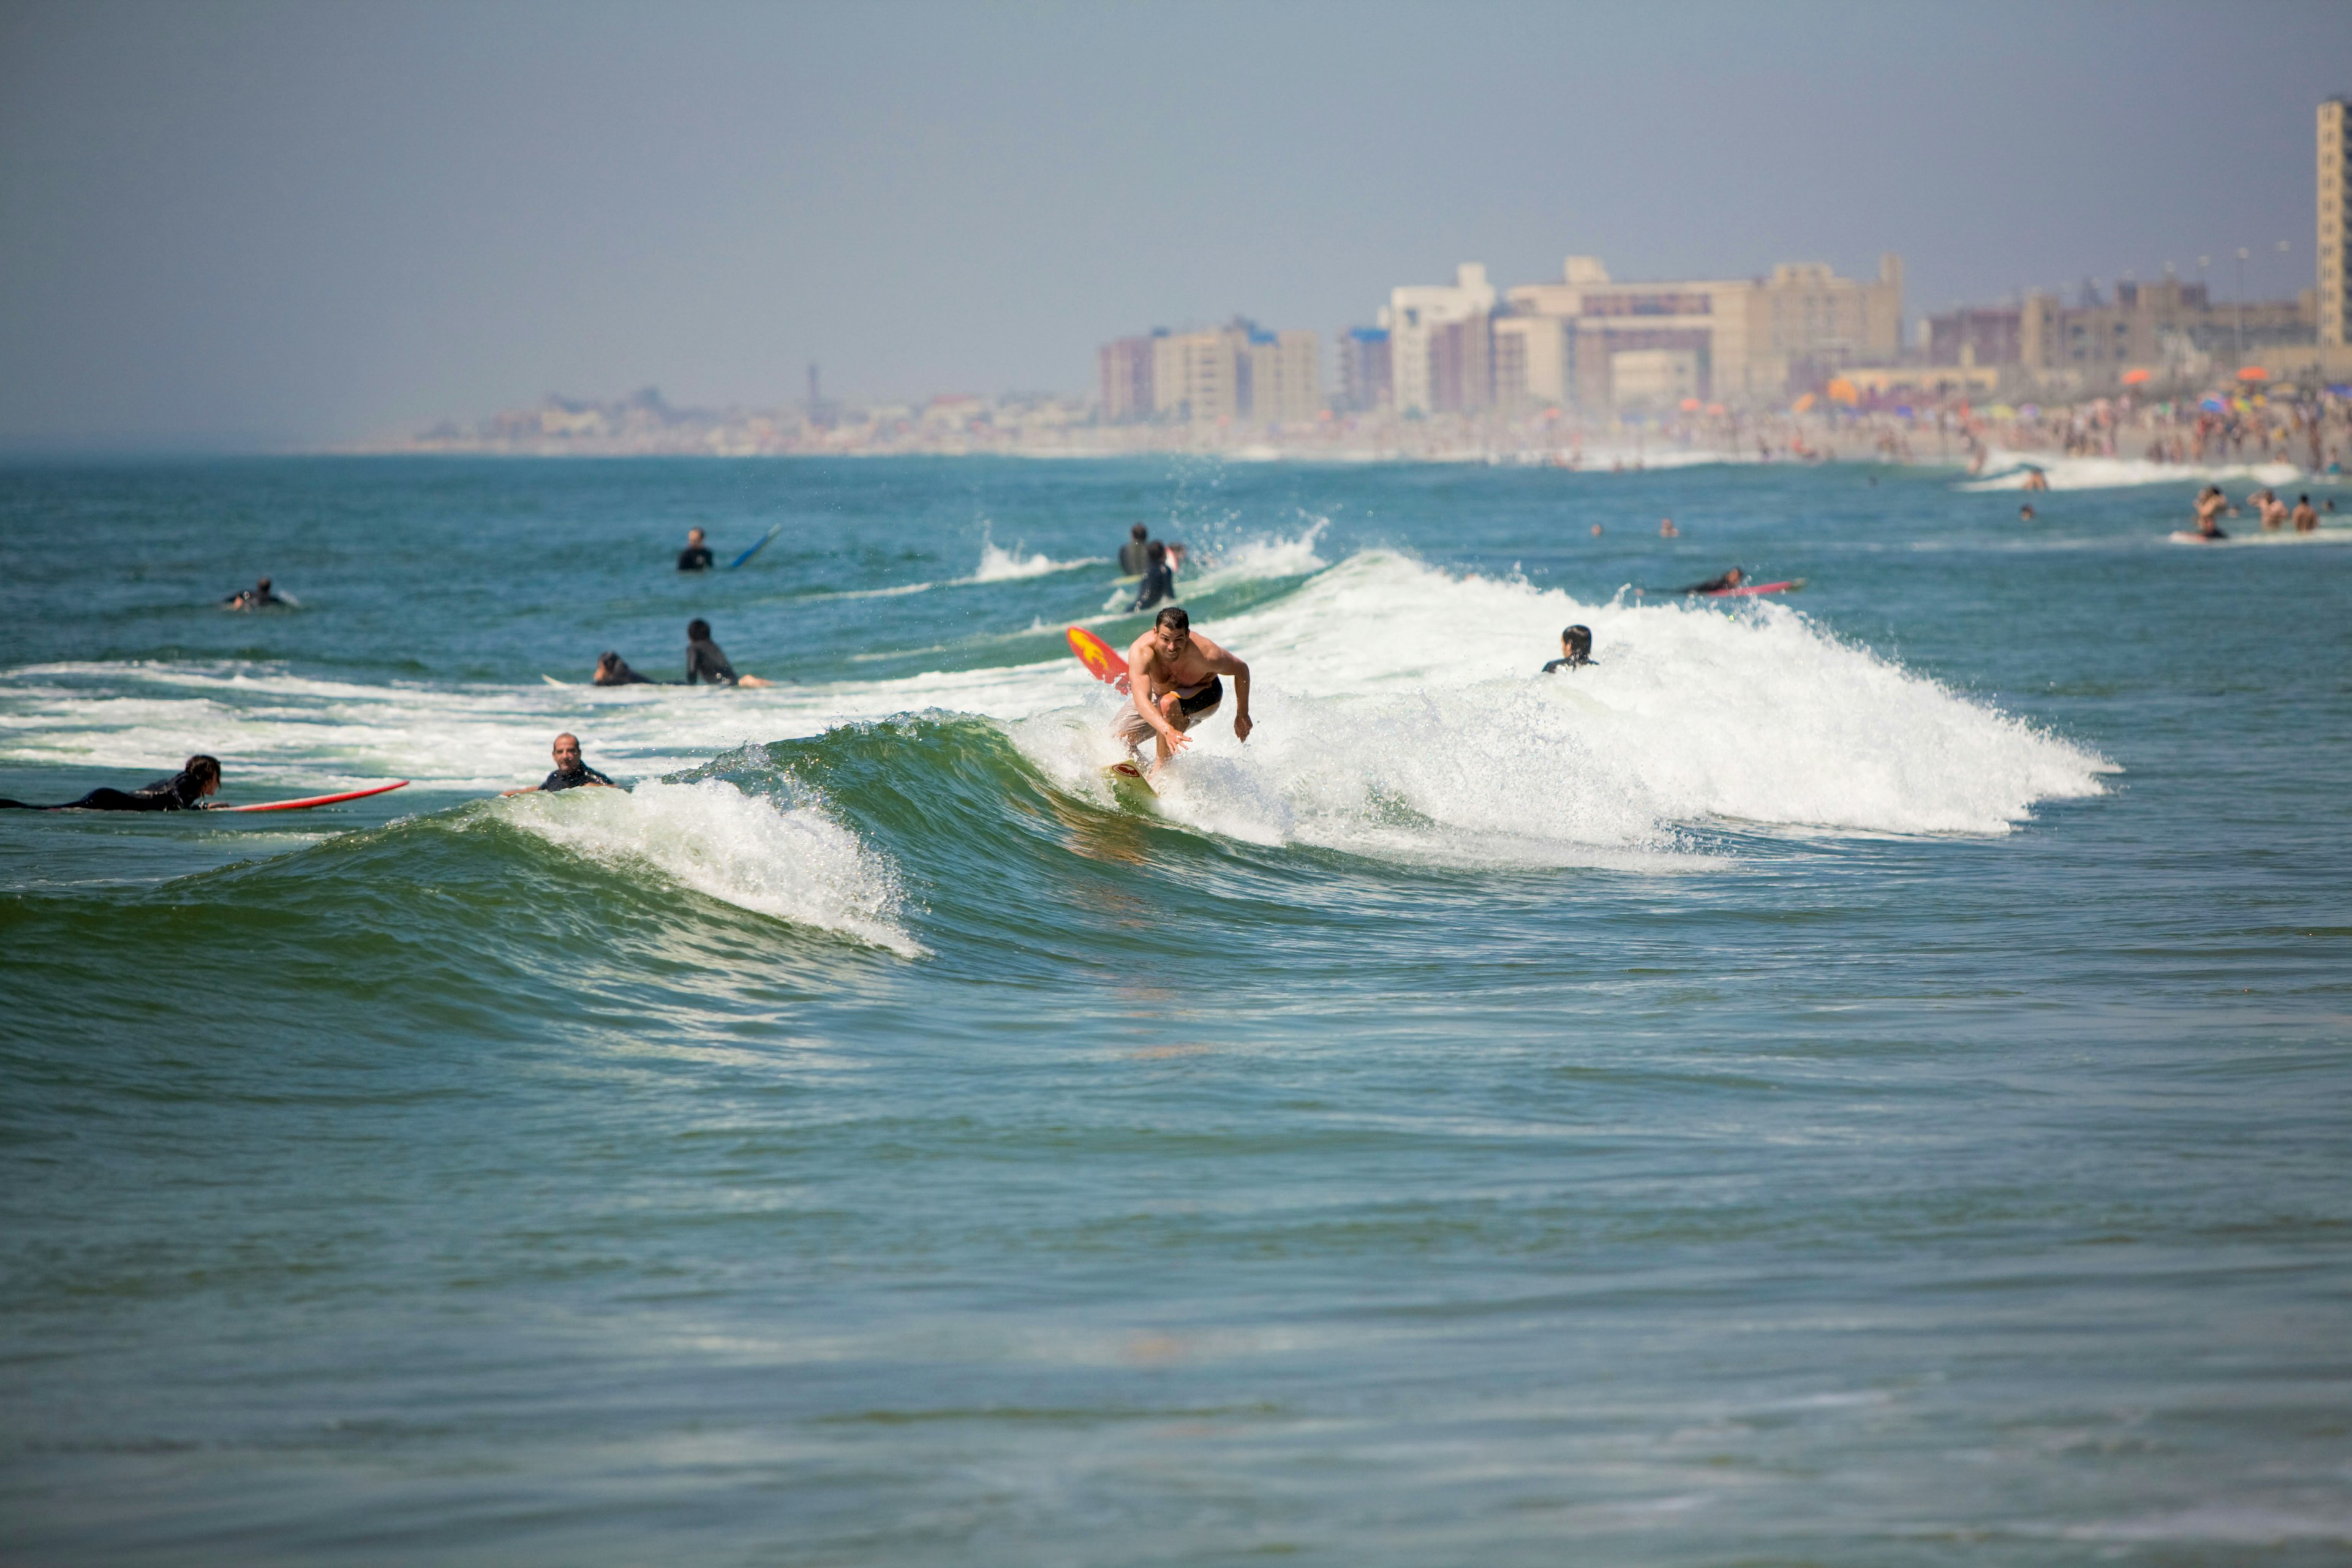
2335 223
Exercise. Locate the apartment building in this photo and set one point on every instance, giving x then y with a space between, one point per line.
2335 302
1416 318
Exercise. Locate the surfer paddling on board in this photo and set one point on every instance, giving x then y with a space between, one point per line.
1173 683
704 660
1729 579
570 772
261 596
183 791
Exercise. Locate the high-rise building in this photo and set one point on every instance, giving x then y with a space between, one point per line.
1125 364
2335 223
1415 314
1534 367
1285 377
1198 375
1365 384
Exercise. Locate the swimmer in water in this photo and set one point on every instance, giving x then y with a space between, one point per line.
570 772
696 556
2025 513
183 791
2306 520
259 596
1729 579
612 669
1173 684
1666 528
2211 504
1575 651
705 661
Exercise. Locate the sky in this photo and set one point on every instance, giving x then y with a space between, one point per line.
246 224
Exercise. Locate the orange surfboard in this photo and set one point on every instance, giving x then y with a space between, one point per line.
1099 657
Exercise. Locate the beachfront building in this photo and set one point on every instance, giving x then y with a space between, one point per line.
2152 325
1751 339
1365 384
1533 367
1422 348
2335 312
1973 335
1239 371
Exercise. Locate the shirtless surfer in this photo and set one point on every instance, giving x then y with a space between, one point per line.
2211 504
1173 684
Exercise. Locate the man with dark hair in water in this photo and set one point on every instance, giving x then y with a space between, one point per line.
1575 651
696 556
612 669
1131 555
183 791
2306 520
1172 684
705 661
1158 578
570 772
1729 579
259 596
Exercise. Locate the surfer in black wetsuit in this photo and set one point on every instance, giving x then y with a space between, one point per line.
696 556
705 661
612 669
570 772
259 596
1131 555
183 791
1575 651
1158 578
1729 579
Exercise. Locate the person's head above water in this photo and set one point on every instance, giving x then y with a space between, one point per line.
697 631
567 751
265 584
1576 641
1735 577
204 771
1137 531
1155 550
1172 629
694 536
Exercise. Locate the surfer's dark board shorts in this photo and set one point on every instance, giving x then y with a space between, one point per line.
1133 729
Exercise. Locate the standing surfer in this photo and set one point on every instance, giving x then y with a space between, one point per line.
1173 684
696 556
1159 577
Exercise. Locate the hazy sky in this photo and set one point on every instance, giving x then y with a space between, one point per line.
272 224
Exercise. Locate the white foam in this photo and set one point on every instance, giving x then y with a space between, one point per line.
1400 710
2104 473
1001 565
790 861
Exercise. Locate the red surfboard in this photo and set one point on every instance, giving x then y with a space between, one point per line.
1790 587
307 802
1099 657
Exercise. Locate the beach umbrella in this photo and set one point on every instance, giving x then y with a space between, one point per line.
2252 372
1803 403
2001 411
2213 405
1841 390
1715 410
1690 405
2135 376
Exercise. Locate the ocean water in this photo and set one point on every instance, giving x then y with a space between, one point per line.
1861 1077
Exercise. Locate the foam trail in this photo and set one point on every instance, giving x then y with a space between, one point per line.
1000 565
791 862
2104 473
1399 711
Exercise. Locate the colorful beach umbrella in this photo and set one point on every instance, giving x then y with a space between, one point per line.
2252 372
2136 376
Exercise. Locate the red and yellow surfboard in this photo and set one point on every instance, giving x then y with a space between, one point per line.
1099 657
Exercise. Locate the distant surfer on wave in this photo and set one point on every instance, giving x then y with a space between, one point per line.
1575 651
259 596
696 556
1173 683
570 772
704 660
183 791
1725 583
1159 577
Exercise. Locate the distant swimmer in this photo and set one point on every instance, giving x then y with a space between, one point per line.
1158 578
1666 528
570 772
2306 520
183 791
612 669
1575 651
1732 579
696 556
704 660
257 598
2035 479
1131 555
2274 511
1173 684
2025 513
2211 506
1596 531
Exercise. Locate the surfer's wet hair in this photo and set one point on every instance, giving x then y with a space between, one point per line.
1174 618
1577 638
202 768
696 631
1137 531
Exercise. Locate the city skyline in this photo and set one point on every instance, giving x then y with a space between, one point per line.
256 224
